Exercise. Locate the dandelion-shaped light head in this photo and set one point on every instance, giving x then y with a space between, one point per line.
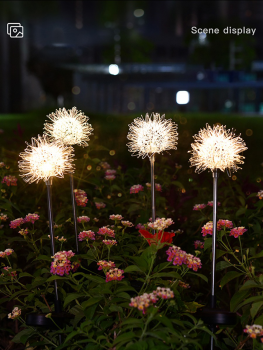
70 126
217 148
43 159
151 135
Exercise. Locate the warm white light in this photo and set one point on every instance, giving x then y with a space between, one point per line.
69 126
138 12
217 148
182 97
153 134
42 160
114 69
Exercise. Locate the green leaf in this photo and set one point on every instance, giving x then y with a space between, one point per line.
259 255
44 257
255 308
241 211
230 276
198 275
124 337
208 243
250 284
25 332
237 298
259 320
248 301
71 335
115 308
90 302
24 274
172 274
71 297
222 265
132 268
131 321
95 278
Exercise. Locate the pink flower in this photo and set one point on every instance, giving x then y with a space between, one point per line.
9 252
110 242
81 198
11 274
199 206
3 217
127 223
85 235
61 264
109 177
160 224
106 231
100 205
114 275
224 223
110 172
15 313
136 189
254 331
140 227
83 219
105 265
10 180
237 231
158 187
164 293
179 257
207 229
31 218
23 232
210 204
199 244
105 165
16 223
116 217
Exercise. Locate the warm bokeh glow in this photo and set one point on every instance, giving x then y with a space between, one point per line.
70 126
42 160
217 148
151 135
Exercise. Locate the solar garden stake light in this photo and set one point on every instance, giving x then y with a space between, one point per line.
149 136
216 149
70 127
43 160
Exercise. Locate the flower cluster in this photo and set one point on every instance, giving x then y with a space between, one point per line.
127 223
85 235
83 219
207 229
210 204
199 206
199 244
16 223
6 253
136 189
224 223
10 180
3 217
158 237
179 257
105 165
254 331
114 275
109 242
61 264
11 274
158 187
100 205
237 231
260 194
140 227
105 265
116 217
31 218
2 164
106 231
23 232
183 285
142 302
81 198
15 313
110 174
160 224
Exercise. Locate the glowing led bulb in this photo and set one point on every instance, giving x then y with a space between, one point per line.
69 126
217 148
43 159
151 135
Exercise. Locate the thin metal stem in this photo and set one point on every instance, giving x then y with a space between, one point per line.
213 300
74 211
152 160
52 238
